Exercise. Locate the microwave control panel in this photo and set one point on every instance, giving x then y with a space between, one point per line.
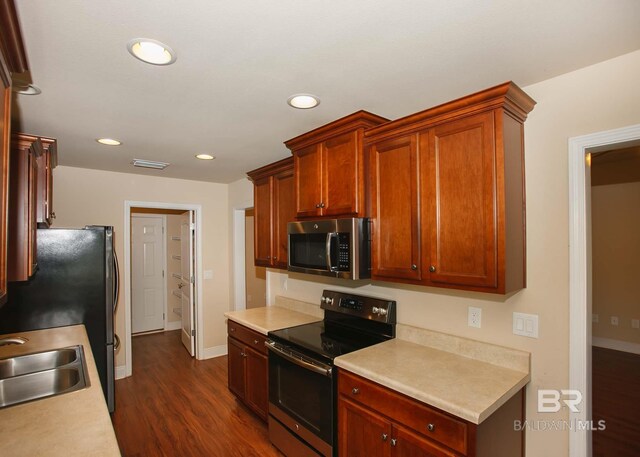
343 252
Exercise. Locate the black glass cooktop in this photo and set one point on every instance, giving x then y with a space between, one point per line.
325 339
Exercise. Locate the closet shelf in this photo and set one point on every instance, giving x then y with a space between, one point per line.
177 311
176 257
176 275
177 293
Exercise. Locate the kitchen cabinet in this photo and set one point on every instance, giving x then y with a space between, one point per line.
248 367
448 201
47 161
329 167
375 421
273 202
14 70
22 259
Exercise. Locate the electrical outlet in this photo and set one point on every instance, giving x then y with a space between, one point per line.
525 325
595 318
475 317
635 323
614 320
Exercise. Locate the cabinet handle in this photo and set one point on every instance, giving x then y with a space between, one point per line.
355 391
431 427
432 268
384 437
414 267
255 341
394 442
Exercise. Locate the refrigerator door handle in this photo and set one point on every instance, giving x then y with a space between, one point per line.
116 345
116 282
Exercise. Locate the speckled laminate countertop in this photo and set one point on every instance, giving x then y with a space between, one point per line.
72 424
469 379
269 318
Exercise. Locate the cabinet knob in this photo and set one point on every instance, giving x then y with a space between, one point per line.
394 442
232 329
431 427
355 391
268 257
414 267
53 215
317 205
432 268
321 205
384 437
275 258
255 341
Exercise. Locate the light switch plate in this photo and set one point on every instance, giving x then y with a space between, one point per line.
525 325
614 320
475 317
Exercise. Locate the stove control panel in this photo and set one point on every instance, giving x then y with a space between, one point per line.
371 308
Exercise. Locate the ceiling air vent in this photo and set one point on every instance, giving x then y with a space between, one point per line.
150 164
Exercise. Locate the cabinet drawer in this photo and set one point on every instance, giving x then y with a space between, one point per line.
427 421
249 337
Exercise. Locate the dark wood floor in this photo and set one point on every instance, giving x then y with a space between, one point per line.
616 399
174 405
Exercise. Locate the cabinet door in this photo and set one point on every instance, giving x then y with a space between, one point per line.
236 367
284 212
462 197
342 169
262 190
395 201
32 224
308 171
362 432
5 135
257 385
406 443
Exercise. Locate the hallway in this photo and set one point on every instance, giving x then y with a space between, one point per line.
174 405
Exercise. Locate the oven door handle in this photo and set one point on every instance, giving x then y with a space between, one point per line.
325 371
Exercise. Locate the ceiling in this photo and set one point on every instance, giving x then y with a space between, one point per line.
239 61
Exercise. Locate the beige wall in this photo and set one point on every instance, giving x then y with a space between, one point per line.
615 215
255 277
173 266
85 196
240 198
593 99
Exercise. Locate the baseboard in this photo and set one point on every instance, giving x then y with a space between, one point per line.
215 351
121 372
617 345
175 325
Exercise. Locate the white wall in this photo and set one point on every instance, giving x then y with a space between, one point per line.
84 197
596 98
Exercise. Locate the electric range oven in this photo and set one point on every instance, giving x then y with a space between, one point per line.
302 377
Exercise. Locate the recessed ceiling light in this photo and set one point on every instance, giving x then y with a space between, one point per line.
109 141
150 164
303 101
151 51
204 156
31 89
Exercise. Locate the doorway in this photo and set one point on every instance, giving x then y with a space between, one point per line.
255 277
580 265
180 272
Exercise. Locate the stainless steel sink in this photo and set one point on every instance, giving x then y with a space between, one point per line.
34 376
40 361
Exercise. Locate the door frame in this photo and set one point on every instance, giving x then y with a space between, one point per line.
199 321
580 286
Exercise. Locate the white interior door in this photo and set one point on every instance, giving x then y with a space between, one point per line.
187 230
147 273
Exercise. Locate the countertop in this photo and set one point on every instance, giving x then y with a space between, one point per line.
72 424
269 318
465 384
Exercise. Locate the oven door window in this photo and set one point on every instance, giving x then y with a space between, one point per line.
308 250
302 394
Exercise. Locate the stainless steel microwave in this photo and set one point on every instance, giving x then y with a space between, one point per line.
340 248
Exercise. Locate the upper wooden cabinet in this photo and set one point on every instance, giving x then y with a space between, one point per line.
14 70
47 161
274 207
25 153
448 201
329 167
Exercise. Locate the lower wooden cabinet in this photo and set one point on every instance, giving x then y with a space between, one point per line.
248 368
374 421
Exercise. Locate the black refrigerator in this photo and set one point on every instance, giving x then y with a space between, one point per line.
76 282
